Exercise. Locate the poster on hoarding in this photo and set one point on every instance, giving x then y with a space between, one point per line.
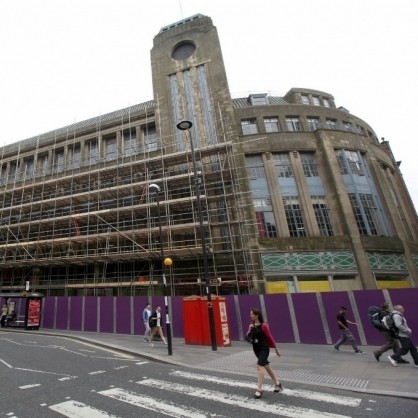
222 311
34 312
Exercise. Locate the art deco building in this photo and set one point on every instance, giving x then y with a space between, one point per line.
296 193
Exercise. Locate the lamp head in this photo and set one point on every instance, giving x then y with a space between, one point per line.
153 187
184 125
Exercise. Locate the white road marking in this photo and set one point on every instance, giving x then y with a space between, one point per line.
237 400
6 364
43 372
121 367
63 379
74 409
152 404
306 394
98 372
87 351
140 363
30 386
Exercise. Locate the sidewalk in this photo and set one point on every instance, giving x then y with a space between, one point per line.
316 365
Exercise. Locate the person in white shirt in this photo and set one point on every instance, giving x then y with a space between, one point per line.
157 328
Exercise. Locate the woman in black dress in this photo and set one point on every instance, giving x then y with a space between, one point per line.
260 337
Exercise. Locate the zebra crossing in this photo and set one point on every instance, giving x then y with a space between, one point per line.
188 398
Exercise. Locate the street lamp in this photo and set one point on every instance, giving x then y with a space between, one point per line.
185 125
155 188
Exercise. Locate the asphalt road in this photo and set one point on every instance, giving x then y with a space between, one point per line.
43 376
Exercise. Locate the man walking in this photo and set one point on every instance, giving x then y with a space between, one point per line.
345 332
146 313
391 343
404 335
157 329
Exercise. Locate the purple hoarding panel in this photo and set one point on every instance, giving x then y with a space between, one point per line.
408 298
76 306
90 313
106 314
308 318
123 314
232 318
246 303
364 299
176 315
278 316
48 312
62 312
332 302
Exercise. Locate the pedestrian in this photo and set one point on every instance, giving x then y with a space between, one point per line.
404 336
391 343
345 332
146 313
158 328
260 337
4 311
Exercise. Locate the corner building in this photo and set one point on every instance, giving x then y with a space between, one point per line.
296 194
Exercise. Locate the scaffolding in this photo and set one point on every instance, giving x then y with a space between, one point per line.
77 218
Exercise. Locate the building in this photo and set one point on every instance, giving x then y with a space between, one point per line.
296 194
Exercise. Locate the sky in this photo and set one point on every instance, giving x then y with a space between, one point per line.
64 61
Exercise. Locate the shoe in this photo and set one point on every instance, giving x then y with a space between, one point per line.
394 362
359 352
278 388
403 361
146 339
166 345
337 348
415 365
376 355
151 344
258 394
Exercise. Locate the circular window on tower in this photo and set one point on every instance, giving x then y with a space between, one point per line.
183 50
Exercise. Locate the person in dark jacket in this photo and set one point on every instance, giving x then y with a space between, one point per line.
260 337
345 332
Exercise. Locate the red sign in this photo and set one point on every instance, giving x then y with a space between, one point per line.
34 313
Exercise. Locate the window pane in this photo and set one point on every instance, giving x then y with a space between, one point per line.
271 124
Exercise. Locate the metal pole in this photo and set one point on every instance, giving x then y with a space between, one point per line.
203 238
167 316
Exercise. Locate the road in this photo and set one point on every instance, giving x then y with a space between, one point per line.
45 376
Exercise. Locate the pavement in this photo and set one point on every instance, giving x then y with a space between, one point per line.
315 365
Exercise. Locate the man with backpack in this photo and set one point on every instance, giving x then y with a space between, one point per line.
404 336
391 342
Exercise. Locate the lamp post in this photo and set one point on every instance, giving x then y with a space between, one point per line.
155 188
186 125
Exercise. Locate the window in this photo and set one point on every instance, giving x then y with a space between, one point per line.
150 138
354 163
313 123
258 99
29 166
316 101
322 216
265 218
348 126
111 149
309 165
293 124
331 123
129 142
93 152
326 102
249 126
272 124
305 99
365 212
294 217
59 160
282 164
75 156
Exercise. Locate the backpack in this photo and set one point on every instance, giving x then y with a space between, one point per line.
389 324
152 321
376 315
